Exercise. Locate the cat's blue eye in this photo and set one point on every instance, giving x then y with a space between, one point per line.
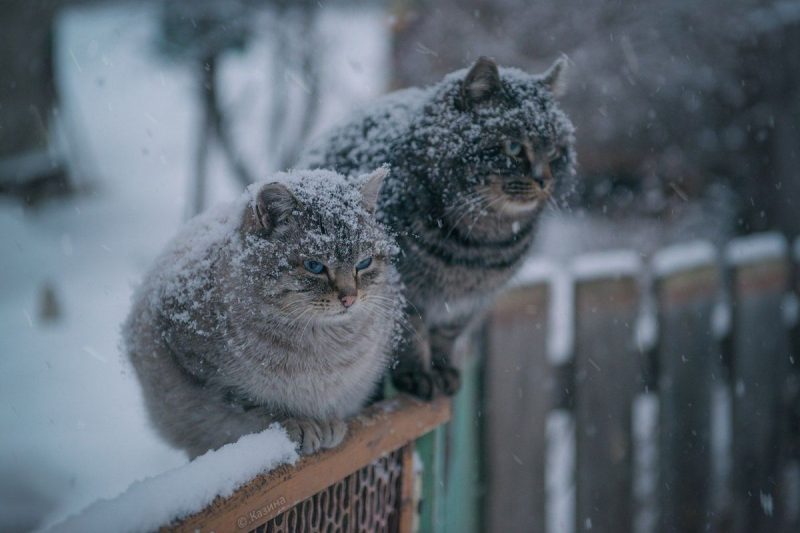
364 263
315 267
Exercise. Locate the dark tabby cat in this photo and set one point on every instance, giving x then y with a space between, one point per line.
474 160
280 307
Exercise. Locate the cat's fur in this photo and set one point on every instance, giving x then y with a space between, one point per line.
463 207
230 332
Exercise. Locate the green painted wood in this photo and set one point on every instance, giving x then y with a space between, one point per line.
463 461
431 452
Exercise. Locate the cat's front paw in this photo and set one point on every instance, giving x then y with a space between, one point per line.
447 379
333 432
314 435
415 382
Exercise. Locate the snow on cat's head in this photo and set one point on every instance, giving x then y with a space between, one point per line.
496 138
312 248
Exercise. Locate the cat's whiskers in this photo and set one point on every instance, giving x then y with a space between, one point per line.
390 308
471 201
491 204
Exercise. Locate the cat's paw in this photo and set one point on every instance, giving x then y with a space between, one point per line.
333 432
447 379
306 433
312 436
415 382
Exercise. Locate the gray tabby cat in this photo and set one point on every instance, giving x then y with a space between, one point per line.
474 160
280 307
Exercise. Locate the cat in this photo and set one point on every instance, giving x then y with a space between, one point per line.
474 160
279 307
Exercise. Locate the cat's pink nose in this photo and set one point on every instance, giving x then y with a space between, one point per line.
348 300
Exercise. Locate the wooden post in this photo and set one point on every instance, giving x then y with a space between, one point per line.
607 371
760 368
687 286
517 399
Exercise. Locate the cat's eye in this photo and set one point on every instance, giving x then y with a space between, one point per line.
513 148
364 263
315 267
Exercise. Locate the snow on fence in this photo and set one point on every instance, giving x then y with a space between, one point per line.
672 403
366 484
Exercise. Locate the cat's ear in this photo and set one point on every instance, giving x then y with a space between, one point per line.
271 208
482 81
372 187
555 77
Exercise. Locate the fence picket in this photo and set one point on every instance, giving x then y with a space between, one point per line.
517 399
689 367
760 368
607 370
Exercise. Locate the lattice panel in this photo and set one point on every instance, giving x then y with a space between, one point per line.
366 501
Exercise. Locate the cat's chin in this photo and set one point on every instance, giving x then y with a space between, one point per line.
517 207
337 317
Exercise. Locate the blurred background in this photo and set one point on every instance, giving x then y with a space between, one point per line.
119 120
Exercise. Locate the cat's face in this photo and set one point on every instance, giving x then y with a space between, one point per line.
505 145
316 253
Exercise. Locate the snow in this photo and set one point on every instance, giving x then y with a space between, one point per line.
611 264
753 248
721 318
559 472
74 419
646 333
534 270
561 337
158 500
644 422
683 257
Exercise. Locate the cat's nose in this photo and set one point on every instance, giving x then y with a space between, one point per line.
542 175
348 300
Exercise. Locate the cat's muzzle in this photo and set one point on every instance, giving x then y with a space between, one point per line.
525 190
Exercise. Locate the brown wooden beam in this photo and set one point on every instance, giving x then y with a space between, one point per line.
381 429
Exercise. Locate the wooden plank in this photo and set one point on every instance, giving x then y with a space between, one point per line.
381 429
407 502
518 396
463 454
792 495
431 449
688 372
760 367
607 374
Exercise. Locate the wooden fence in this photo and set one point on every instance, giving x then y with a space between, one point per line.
366 484
661 395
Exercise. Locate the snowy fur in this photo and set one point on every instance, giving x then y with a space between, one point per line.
229 332
474 160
